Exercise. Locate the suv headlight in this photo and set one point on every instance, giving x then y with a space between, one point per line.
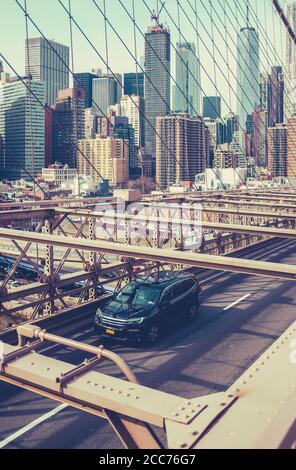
136 321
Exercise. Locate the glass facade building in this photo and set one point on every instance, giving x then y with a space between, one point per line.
157 82
106 92
247 73
187 87
212 107
68 125
134 84
85 80
48 65
16 105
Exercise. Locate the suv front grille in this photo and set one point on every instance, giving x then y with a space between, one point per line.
108 321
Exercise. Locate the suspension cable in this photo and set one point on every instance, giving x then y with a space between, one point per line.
75 100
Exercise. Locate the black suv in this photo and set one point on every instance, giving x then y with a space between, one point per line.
145 308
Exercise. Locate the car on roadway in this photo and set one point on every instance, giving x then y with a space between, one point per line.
146 307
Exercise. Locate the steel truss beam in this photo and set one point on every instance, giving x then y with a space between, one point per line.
252 213
56 203
185 223
241 417
274 270
251 204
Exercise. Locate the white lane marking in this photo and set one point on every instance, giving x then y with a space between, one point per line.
233 304
32 425
256 257
43 418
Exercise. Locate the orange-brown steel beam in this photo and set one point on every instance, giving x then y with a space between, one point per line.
186 258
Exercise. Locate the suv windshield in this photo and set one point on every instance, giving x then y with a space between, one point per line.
138 295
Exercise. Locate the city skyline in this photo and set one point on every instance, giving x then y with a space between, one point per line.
121 61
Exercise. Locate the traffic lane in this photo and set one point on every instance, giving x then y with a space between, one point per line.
205 361
171 350
220 292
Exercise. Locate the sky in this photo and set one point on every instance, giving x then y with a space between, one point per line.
53 21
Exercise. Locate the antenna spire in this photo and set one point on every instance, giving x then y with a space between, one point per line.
248 15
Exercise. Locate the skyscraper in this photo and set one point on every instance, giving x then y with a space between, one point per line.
68 125
277 95
106 92
15 128
134 84
187 87
48 65
85 80
186 151
157 81
277 150
212 107
290 78
260 136
247 73
272 95
133 108
291 144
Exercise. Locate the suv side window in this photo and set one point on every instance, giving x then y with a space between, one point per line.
177 290
188 284
167 295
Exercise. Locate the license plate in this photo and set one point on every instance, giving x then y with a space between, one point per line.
110 332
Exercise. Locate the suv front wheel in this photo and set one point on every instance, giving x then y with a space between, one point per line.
152 334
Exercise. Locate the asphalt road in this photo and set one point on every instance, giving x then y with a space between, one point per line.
240 317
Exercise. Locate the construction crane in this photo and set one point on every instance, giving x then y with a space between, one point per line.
156 15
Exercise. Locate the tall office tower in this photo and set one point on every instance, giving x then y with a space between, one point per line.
91 123
48 61
109 156
133 108
157 82
125 131
265 91
68 125
134 84
107 91
272 95
186 151
277 86
247 73
187 87
212 125
260 136
236 148
290 76
232 125
291 132
17 110
212 107
85 80
277 150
